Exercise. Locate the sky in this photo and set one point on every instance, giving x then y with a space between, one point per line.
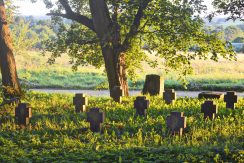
39 9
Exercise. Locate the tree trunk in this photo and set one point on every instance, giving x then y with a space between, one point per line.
109 40
116 70
7 62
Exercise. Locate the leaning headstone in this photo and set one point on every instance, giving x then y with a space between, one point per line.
169 96
176 123
210 95
80 101
154 85
117 93
96 117
141 104
23 113
230 98
209 109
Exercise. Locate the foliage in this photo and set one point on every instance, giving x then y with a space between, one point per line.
29 33
23 37
167 28
233 32
234 9
58 134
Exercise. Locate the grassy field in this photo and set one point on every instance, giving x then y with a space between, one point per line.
58 134
208 75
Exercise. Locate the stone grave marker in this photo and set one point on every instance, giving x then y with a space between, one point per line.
117 93
169 96
96 117
210 95
230 98
154 85
80 101
209 109
23 113
141 104
176 123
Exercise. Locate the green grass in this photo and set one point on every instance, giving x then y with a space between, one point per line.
208 75
58 133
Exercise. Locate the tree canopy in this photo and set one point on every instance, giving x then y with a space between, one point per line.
132 29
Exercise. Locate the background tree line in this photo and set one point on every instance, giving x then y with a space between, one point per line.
31 33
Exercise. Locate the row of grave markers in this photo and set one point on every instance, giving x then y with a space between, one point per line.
176 122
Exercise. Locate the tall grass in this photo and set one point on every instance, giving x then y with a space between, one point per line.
34 70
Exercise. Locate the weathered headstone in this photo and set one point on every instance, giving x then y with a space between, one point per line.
154 85
210 95
23 113
230 98
96 117
80 101
176 123
169 96
117 93
141 104
209 109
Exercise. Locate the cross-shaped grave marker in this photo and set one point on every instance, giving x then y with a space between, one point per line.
117 93
141 104
209 109
176 123
96 117
23 113
169 96
80 101
230 98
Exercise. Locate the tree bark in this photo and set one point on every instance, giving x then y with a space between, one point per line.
7 62
116 70
110 45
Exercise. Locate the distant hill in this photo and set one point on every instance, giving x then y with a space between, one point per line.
223 22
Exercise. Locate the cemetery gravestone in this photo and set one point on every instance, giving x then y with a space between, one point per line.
169 96
230 98
210 95
80 101
141 104
23 113
96 118
176 123
209 109
117 93
154 85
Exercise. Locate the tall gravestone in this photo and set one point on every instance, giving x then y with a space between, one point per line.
96 117
141 104
176 123
154 85
209 109
169 96
230 98
117 94
80 101
23 113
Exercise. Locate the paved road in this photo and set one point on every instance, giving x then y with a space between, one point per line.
106 92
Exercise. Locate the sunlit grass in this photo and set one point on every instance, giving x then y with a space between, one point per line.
58 133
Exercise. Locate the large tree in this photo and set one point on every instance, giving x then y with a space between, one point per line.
234 9
10 81
113 32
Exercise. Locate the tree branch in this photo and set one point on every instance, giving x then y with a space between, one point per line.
73 16
84 42
135 25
